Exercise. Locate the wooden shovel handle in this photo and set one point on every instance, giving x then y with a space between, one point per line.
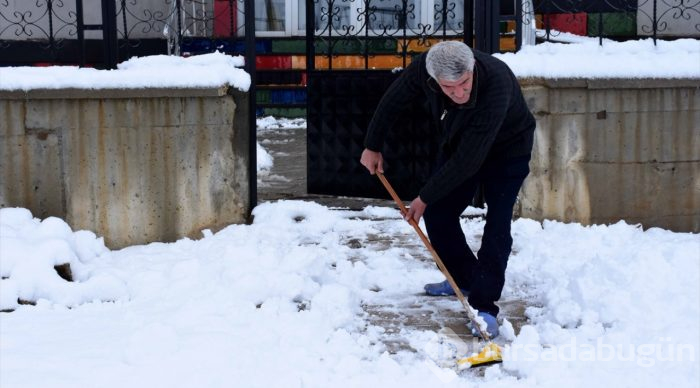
436 258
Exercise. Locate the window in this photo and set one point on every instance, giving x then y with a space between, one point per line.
336 10
448 15
288 17
392 15
270 15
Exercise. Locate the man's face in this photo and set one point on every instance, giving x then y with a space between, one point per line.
458 90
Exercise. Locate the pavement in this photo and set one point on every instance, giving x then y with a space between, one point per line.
287 180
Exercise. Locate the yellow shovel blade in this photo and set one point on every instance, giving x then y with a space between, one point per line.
490 354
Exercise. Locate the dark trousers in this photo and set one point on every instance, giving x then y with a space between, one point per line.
483 277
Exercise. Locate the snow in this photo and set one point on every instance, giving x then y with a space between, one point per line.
279 302
585 59
159 71
268 123
264 160
588 59
30 249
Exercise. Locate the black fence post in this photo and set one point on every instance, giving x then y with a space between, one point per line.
250 68
178 14
310 37
52 39
488 15
81 30
519 25
654 22
468 22
366 43
109 33
123 10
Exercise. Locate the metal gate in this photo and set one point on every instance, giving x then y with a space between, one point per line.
346 42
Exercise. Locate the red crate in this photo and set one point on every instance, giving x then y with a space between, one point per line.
575 23
273 62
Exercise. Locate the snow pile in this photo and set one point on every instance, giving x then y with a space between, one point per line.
271 123
280 303
158 71
264 160
585 59
588 59
567 37
29 250
276 303
614 298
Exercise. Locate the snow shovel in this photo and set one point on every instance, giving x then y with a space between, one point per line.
491 353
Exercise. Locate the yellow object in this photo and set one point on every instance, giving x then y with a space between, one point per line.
490 354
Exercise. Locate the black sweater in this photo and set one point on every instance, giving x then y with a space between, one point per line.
494 123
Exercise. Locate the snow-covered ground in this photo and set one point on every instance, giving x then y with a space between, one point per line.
265 159
279 303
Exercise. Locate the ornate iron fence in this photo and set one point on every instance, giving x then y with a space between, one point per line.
648 18
402 27
179 21
57 31
47 22
371 27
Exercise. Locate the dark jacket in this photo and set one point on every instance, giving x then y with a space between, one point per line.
494 123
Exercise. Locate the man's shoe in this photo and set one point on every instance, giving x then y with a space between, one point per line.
491 326
442 289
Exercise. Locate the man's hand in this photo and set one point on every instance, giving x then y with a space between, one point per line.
416 210
373 161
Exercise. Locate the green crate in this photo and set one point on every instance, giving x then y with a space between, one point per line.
289 46
614 24
354 46
262 96
383 46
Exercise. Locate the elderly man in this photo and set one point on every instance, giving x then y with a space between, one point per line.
485 131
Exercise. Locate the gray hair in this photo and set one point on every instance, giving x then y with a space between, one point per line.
449 60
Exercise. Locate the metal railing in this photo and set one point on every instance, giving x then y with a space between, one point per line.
652 18
42 21
57 30
368 27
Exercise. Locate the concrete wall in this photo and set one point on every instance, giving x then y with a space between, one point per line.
135 166
607 150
